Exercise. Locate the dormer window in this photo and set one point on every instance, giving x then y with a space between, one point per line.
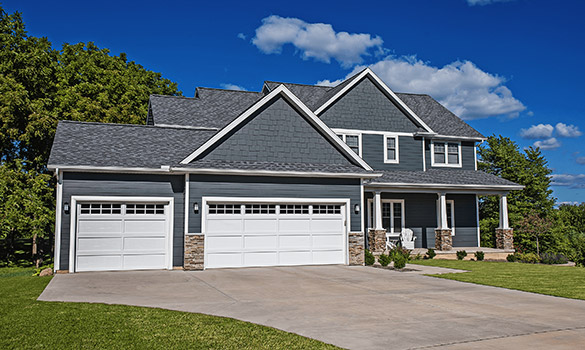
391 149
446 154
354 141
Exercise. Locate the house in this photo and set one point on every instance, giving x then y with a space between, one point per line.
292 175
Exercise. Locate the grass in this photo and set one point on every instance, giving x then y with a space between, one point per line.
560 281
26 323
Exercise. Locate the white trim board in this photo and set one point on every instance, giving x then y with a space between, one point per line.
396 144
58 220
73 221
281 90
446 164
383 86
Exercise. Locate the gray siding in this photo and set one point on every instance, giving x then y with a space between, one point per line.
410 153
86 184
277 133
421 216
467 156
248 186
365 107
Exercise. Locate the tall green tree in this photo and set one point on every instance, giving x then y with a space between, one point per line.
502 157
39 86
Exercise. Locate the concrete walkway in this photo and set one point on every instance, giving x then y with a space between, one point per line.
352 307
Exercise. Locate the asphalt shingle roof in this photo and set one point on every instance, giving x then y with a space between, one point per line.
122 145
441 177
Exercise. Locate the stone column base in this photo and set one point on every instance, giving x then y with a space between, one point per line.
505 238
356 248
194 252
377 241
443 239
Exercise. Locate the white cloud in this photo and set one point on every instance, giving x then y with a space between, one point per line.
568 203
564 130
530 114
540 131
242 36
314 40
570 180
551 143
233 87
484 2
580 160
327 82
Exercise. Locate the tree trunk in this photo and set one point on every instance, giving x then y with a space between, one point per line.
35 250
537 247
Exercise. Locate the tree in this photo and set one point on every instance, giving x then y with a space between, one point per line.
502 157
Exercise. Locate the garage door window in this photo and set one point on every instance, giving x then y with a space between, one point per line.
260 209
100 208
225 209
142 209
326 209
294 209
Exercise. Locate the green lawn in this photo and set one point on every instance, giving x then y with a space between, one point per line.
27 323
561 281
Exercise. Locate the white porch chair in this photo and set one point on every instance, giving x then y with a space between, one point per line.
392 239
407 239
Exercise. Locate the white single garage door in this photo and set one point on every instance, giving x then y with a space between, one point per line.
274 234
122 236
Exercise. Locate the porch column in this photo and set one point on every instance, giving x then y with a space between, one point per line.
443 239
377 235
504 234
378 211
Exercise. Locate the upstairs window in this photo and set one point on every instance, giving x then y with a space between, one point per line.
446 154
354 142
391 149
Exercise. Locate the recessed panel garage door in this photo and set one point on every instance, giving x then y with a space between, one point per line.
240 235
121 236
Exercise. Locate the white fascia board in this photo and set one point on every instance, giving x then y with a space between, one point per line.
108 169
275 173
450 137
372 132
289 96
504 188
384 87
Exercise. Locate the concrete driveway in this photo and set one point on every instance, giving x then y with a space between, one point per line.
352 307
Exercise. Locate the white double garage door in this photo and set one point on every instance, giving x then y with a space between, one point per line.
278 233
135 235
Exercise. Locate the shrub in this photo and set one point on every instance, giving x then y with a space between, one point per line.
528 258
394 252
461 254
399 261
511 258
384 259
550 258
418 257
479 255
431 253
369 258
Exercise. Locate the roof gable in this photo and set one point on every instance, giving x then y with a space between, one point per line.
276 125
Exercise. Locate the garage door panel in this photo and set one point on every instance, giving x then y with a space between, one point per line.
327 225
295 258
99 226
145 227
261 259
224 259
96 244
327 257
224 243
294 225
144 261
145 243
295 241
99 262
262 242
265 225
224 225
327 241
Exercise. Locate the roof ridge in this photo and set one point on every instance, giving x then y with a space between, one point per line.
132 125
412 93
280 82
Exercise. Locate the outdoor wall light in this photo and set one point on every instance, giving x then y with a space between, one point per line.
196 208
356 208
66 208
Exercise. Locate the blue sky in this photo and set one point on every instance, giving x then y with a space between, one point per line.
514 68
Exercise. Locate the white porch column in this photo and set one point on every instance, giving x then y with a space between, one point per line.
378 211
442 224
504 212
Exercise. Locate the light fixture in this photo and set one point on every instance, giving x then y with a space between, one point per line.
66 208
196 208
356 208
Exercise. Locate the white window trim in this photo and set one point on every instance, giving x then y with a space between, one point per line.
359 136
403 219
73 221
446 165
452 202
396 138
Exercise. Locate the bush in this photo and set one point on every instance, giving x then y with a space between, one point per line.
399 261
431 253
418 257
394 252
511 258
528 258
384 259
461 254
479 255
550 258
369 258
